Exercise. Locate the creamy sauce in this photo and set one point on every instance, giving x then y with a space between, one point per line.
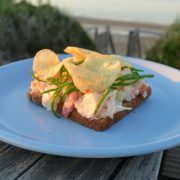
87 103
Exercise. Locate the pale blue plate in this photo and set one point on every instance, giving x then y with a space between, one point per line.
153 126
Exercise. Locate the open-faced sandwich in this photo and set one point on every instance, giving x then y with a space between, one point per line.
93 89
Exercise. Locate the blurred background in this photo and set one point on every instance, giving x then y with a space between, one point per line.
138 28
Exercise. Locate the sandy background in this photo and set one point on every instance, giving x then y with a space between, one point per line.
120 32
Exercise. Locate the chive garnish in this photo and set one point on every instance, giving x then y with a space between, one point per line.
103 97
48 91
125 80
63 87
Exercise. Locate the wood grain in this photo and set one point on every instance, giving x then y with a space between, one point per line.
141 167
171 163
101 169
56 167
14 161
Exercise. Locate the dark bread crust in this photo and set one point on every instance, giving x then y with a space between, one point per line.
35 97
97 124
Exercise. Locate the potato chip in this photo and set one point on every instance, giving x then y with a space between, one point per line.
69 59
46 64
122 61
49 72
44 59
96 73
79 53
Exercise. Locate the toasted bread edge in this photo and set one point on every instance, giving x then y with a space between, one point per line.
96 124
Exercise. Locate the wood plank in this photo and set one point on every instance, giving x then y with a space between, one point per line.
3 146
100 169
173 170
171 174
141 167
176 149
14 161
1 143
50 167
56 167
173 155
171 163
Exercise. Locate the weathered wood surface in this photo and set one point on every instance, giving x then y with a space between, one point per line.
171 163
16 163
54 167
141 167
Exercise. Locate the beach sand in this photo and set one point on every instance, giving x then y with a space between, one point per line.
122 24
120 31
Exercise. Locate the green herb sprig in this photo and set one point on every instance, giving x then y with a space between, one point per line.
125 80
64 86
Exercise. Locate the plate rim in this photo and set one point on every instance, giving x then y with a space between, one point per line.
87 152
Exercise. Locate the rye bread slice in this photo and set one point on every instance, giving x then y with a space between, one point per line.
96 124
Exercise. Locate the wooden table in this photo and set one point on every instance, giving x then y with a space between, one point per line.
17 163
